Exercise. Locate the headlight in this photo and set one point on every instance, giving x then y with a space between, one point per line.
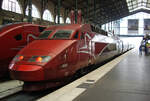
39 59
18 58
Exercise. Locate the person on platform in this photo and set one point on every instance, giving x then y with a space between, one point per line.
142 46
140 50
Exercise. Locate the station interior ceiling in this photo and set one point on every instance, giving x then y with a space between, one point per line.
104 11
100 12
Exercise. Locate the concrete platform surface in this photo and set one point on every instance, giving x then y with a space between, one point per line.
74 89
128 81
10 87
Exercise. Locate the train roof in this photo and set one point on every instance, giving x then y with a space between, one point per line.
83 27
66 26
4 29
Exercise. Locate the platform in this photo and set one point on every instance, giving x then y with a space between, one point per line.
10 87
126 78
128 81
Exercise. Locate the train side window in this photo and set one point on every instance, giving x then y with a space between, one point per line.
111 47
18 37
82 35
76 35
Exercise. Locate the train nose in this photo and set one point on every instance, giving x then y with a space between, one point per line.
27 72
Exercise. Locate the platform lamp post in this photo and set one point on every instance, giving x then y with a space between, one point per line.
58 11
30 11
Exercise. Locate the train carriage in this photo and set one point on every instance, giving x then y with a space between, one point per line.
59 53
13 37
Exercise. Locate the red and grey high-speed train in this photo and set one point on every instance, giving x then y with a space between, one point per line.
60 52
13 37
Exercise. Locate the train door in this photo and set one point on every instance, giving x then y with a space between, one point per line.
73 56
119 46
84 49
88 41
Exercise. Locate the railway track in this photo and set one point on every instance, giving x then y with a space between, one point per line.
26 96
12 91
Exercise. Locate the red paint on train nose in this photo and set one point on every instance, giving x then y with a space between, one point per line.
27 72
45 47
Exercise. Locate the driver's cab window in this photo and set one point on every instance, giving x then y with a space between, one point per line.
62 34
45 34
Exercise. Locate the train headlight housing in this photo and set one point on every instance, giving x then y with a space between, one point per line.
18 58
39 59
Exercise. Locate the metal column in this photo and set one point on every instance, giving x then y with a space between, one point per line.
76 10
42 8
94 10
87 16
119 26
108 26
58 11
30 11
105 27
111 25
1 4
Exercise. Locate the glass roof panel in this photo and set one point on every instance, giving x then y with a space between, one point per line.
148 5
144 0
138 4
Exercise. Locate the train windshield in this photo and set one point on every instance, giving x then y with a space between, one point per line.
45 34
62 34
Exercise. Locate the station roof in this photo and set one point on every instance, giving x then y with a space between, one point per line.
103 11
134 5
